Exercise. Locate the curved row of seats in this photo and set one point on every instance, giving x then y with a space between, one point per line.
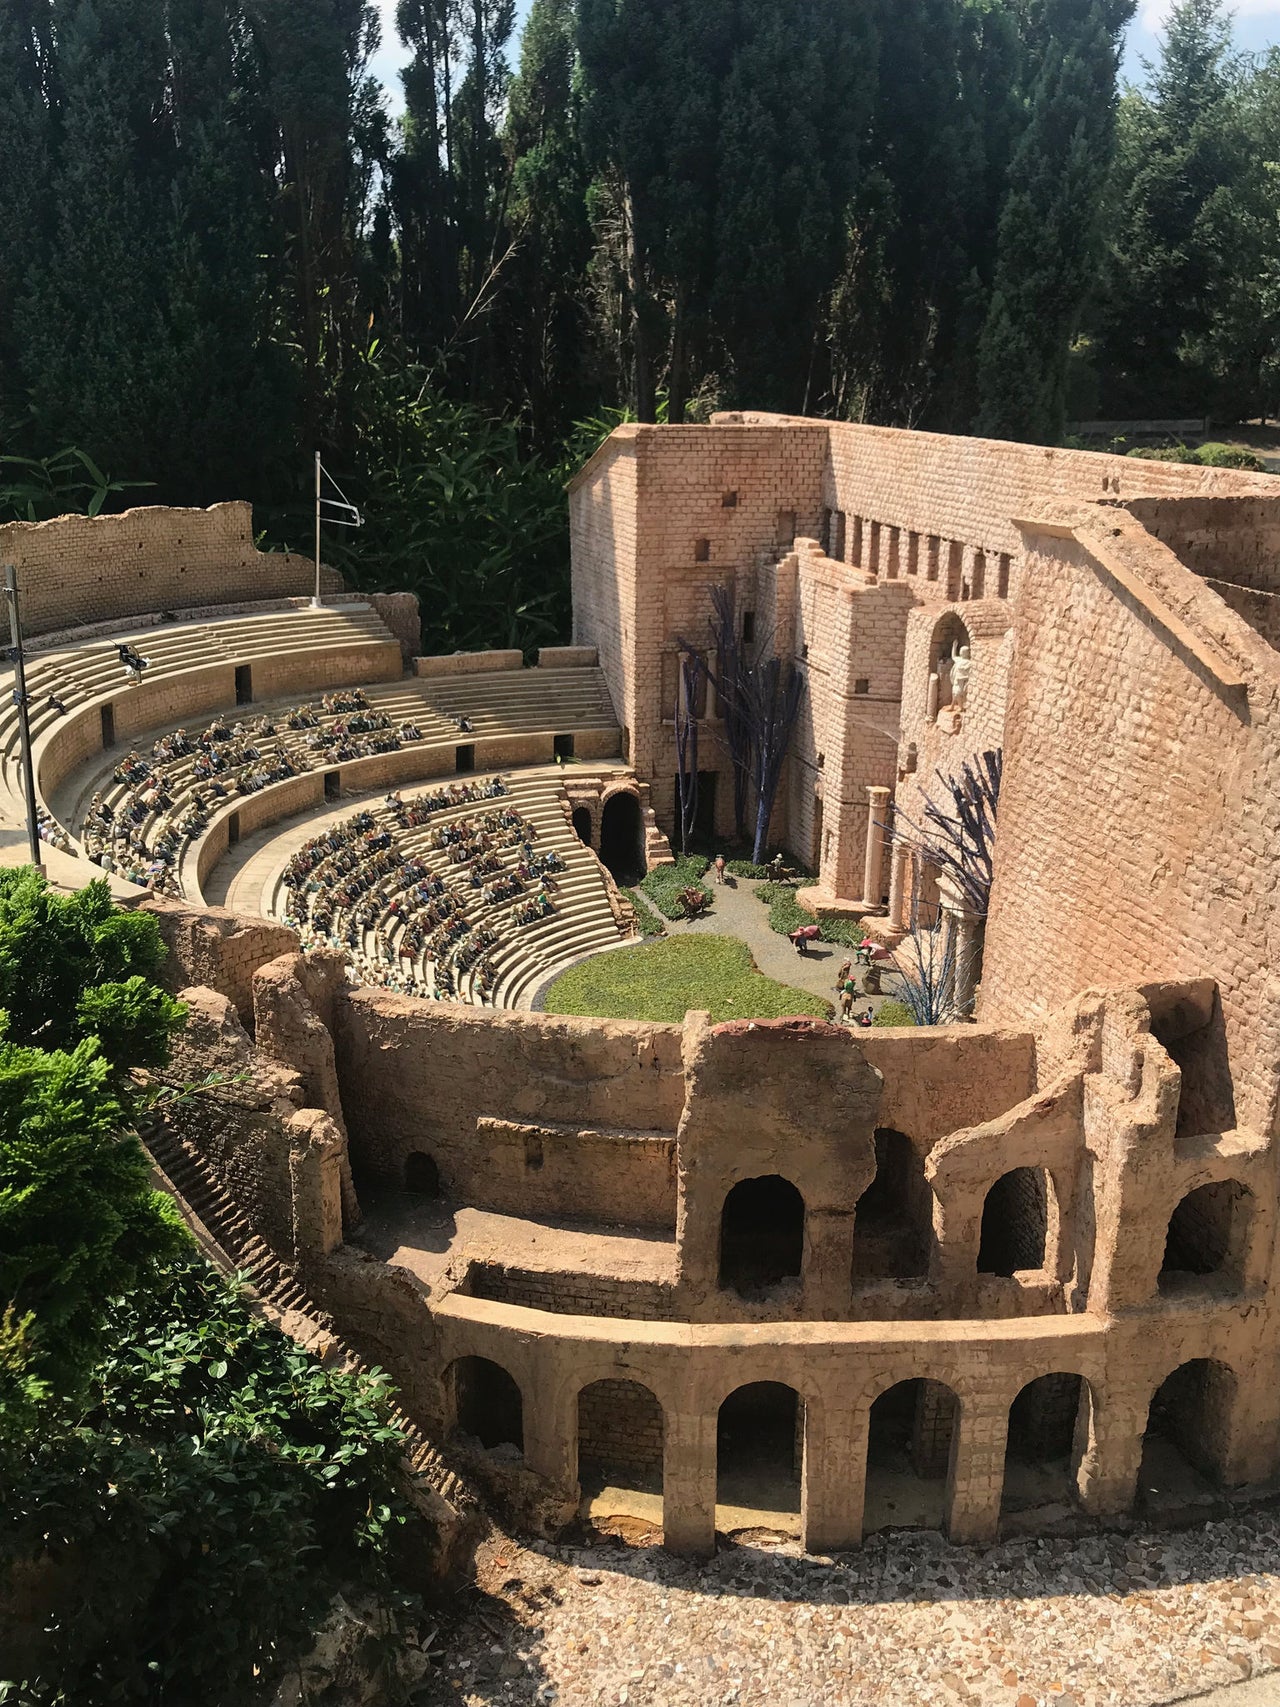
520 956
77 676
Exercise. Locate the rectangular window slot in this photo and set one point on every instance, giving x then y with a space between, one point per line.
841 529
108 716
464 759
786 529
729 501
233 829
748 627
332 785
564 746
244 684
702 551
862 685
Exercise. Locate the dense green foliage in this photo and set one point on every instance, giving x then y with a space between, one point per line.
662 981
650 922
787 915
223 251
79 1221
210 1494
893 1012
665 884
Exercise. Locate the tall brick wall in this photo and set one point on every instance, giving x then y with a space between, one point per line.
75 571
1140 814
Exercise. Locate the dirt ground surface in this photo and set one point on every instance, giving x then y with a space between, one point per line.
1130 1621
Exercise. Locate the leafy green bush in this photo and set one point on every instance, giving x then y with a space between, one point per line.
787 915
650 922
1170 453
220 1488
893 1013
1229 456
665 883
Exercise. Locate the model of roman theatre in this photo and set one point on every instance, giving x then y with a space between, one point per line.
1016 1271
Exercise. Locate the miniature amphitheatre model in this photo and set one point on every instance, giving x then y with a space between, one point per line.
973 1275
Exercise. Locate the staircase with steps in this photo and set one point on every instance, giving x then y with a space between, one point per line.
193 1183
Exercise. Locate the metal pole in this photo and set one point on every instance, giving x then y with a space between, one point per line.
315 602
20 700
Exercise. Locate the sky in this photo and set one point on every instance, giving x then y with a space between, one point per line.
1257 27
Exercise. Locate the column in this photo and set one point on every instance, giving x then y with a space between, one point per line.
977 1473
898 888
689 1483
873 871
935 697
968 937
835 1475
550 1428
1107 1475
828 1261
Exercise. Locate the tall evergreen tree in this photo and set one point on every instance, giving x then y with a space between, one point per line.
1050 226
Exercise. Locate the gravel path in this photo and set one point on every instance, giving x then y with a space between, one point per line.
1129 1621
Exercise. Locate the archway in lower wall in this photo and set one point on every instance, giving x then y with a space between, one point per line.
1042 1447
421 1175
620 1442
487 1404
1185 1447
909 1441
622 839
761 1236
759 1458
582 825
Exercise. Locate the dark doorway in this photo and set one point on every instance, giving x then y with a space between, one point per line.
1185 1445
909 1457
815 852
421 1175
464 759
894 1220
704 824
761 1236
487 1404
564 746
332 785
582 825
1015 1223
1040 1450
233 829
760 1448
622 839
1207 1237
107 713
620 1436
244 684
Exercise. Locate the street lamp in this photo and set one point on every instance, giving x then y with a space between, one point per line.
20 699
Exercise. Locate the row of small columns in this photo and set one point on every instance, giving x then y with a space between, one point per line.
833 1482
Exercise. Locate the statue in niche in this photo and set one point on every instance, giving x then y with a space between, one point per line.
961 670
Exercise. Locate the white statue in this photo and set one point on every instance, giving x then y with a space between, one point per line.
961 670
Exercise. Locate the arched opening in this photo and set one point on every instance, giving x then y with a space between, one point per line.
620 1438
1041 1451
761 1236
421 1175
909 1441
582 825
622 839
487 1404
1208 1232
1184 1449
895 1214
1015 1223
759 1457
949 636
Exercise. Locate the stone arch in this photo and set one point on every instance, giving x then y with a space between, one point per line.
911 1432
582 826
622 837
486 1403
1186 1444
761 1236
621 1431
1047 1434
1016 1222
421 1175
1208 1237
894 1217
760 1449
949 632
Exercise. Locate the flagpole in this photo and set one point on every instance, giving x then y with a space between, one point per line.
315 602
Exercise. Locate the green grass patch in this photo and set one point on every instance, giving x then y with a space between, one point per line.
649 921
787 915
662 981
893 1013
663 886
